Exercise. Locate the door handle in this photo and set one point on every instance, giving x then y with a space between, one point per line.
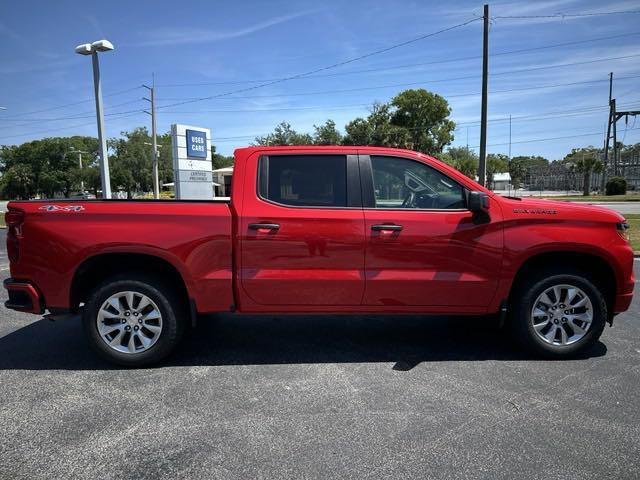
384 226
264 226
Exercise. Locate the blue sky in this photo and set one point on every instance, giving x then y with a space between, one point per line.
217 47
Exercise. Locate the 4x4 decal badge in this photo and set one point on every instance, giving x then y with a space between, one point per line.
65 208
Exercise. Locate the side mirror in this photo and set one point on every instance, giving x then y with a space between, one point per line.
477 201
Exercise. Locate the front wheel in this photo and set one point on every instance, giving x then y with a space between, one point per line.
133 321
558 315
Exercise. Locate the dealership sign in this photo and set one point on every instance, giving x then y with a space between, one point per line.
192 166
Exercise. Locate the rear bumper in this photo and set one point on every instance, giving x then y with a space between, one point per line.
23 297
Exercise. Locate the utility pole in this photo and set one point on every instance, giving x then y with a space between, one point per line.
80 152
482 166
603 177
615 137
509 137
509 160
154 144
614 116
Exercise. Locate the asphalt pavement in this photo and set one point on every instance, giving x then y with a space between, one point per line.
250 397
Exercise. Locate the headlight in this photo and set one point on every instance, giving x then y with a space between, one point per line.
623 230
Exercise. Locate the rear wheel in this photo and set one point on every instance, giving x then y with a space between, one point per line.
133 321
557 314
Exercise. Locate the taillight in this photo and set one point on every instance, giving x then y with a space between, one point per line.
623 230
14 219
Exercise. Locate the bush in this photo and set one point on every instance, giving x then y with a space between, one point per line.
616 186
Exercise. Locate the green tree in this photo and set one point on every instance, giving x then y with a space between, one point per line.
463 159
17 182
283 134
424 116
52 167
585 161
496 163
220 161
327 134
532 161
517 171
130 163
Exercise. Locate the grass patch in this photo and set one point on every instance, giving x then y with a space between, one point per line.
629 197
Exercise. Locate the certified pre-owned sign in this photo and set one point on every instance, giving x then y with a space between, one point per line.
192 166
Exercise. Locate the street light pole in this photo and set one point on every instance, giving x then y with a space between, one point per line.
104 160
93 49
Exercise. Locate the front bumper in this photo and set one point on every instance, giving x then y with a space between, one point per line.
23 297
622 302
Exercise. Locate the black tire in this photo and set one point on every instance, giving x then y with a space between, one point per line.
522 302
172 309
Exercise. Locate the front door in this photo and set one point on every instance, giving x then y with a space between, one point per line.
424 248
302 231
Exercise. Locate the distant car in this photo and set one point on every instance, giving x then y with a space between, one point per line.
81 196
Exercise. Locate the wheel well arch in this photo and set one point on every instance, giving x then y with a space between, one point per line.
593 265
97 268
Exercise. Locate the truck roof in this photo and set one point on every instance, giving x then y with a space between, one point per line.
321 148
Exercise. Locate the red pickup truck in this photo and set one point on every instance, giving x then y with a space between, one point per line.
322 230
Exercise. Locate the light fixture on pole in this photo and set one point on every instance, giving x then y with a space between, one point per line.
93 49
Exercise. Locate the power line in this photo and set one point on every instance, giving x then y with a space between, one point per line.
545 115
395 67
506 72
283 109
328 67
43 120
76 103
395 85
87 114
550 138
68 127
567 15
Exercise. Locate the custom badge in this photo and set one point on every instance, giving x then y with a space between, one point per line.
538 211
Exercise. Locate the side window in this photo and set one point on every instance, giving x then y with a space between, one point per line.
304 180
403 183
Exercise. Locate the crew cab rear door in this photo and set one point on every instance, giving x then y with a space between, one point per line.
302 230
424 247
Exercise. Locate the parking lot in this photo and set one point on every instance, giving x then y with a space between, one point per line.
318 397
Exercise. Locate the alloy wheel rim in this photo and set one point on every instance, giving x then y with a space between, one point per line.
562 315
129 322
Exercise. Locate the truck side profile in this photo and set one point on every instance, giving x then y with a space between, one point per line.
321 230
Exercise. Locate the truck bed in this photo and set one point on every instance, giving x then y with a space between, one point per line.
193 237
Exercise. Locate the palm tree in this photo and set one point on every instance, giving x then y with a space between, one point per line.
586 166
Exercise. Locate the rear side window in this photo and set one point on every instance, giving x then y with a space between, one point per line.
304 180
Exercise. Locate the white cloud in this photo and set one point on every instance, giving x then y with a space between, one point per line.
183 36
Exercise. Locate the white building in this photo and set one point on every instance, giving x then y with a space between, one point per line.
501 181
222 181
